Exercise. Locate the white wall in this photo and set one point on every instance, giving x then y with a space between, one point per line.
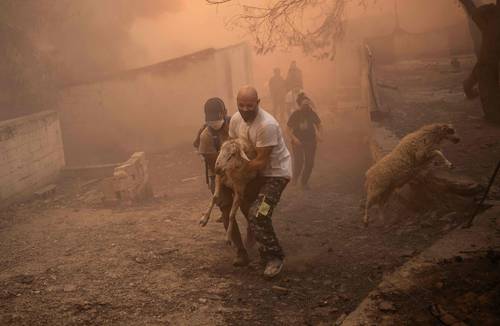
31 154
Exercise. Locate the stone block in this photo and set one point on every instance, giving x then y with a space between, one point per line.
130 181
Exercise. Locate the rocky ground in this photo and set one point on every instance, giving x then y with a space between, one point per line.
66 261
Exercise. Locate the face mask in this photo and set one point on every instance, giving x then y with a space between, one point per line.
216 125
248 115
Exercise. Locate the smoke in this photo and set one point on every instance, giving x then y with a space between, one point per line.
49 43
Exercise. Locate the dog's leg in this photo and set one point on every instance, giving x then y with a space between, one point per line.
218 185
438 154
232 217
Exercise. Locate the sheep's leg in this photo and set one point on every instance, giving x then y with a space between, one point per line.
438 154
371 200
218 185
366 218
232 217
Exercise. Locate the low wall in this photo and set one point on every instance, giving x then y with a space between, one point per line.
31 154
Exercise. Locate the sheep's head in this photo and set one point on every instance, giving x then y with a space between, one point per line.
232 155
441 131
447 132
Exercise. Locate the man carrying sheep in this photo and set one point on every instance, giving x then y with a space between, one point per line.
210 141
273 164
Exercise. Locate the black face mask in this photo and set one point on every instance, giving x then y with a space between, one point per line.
249 116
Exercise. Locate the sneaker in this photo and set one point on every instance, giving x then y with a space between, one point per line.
241 259
273 268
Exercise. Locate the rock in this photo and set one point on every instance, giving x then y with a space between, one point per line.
130 181
409 253
322 312
279 289
24 279
202 300
341 319
46 192
386 306
139 260
69 288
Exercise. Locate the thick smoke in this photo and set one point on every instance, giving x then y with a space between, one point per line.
47 44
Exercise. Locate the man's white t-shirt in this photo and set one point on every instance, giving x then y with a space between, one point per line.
264 131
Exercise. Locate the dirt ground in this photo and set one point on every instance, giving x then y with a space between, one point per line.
65 262
466 289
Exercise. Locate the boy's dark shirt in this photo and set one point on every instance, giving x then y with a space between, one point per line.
303 123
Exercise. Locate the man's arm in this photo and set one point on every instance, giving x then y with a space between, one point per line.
290 124
262 159
319 132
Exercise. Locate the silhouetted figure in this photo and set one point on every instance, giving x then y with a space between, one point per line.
277 90
294 77
303 126
486 72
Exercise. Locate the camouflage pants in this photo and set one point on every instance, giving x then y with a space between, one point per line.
261 197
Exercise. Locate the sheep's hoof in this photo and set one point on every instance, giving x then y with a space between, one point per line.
365 222
203 220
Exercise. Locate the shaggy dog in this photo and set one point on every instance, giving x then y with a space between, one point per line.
413 154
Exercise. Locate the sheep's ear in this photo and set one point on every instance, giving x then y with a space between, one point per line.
244 155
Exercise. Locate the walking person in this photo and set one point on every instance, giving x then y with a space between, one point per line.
211 137
304 126
277 91
273 164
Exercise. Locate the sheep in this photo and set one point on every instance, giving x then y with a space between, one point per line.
412 155
231 169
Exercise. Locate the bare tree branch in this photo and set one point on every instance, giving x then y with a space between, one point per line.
313 25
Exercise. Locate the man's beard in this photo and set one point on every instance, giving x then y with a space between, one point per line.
249 116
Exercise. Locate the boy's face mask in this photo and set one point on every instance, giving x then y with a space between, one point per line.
216 125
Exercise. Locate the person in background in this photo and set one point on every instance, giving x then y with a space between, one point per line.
486 70
294 77
291 101
277 90
304 126
213 134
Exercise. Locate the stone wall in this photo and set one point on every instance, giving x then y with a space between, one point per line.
31 154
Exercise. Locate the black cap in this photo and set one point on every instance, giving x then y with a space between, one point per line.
214 109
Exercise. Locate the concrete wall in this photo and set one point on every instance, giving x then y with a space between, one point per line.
31 154
106 121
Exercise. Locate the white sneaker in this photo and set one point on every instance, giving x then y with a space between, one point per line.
273 268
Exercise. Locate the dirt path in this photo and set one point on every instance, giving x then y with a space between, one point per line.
67 264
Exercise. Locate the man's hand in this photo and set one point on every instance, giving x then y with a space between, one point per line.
262 159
